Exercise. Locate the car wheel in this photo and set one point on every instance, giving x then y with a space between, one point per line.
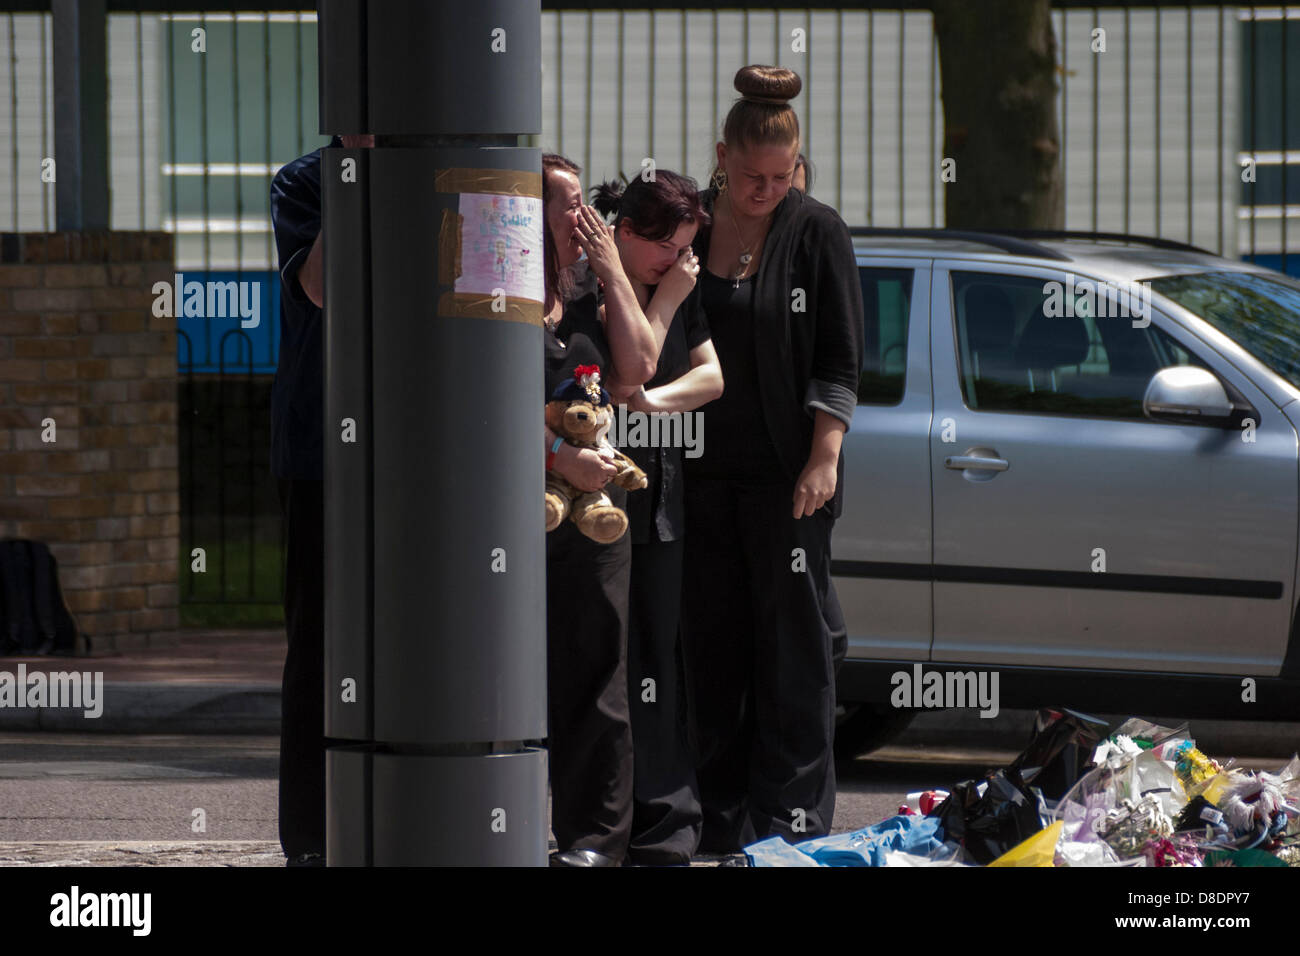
862 728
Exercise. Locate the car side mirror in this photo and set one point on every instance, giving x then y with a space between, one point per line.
1187 395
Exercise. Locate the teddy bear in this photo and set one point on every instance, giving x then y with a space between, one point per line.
581 413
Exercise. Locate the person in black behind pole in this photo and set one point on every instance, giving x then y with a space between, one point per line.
590 734
654 225
297 463
781 294
803 174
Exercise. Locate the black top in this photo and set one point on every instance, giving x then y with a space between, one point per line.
807 327
738 445
579 339
298 392
658 512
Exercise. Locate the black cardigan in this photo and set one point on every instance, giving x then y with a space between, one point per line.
810 360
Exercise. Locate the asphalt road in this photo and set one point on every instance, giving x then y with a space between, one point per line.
127 787
67 787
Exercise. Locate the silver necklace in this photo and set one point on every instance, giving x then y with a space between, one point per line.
553 326
745 255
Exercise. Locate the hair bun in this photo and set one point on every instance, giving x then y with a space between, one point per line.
771 84
607 197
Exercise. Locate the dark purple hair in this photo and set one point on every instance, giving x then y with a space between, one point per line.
655 208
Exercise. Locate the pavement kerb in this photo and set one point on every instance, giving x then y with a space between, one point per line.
158 707
154 707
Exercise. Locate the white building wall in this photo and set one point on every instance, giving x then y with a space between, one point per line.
877 159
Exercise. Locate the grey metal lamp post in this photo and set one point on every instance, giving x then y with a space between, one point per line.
434 540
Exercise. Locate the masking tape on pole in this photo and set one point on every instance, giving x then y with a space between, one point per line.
490 249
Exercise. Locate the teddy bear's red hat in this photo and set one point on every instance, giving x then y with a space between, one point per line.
583 387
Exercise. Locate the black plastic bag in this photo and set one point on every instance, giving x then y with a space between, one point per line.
1197 814
1060 750
990 816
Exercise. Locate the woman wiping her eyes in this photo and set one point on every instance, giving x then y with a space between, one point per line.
654 225
594 315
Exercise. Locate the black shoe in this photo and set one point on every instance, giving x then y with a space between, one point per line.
739 860
582 858
306 859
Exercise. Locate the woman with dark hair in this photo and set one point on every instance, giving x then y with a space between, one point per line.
781 294
654 224
604 310
590 737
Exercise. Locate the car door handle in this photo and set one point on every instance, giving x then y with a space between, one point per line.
962 462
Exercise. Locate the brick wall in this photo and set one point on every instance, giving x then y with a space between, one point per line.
79 344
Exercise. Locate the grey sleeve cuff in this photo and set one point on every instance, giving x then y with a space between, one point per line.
832 399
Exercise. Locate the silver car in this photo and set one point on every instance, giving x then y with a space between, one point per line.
1096 504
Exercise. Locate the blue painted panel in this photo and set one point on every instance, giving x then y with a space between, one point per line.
1274 261
208 343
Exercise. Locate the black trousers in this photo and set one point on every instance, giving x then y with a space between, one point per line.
666 803
839 630
586 659
302 707
759 662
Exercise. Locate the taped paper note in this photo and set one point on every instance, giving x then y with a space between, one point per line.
500 246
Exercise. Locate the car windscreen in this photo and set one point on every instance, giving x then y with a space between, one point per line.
1261 313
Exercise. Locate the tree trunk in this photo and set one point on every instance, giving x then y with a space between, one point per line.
997 59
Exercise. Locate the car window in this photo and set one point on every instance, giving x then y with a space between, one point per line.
886 308
1261 313
1026 346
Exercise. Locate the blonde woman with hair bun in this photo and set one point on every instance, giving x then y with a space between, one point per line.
781 295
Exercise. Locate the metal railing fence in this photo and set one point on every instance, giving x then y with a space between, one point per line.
1154 132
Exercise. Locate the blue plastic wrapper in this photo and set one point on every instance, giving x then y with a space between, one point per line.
774 851
866 847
